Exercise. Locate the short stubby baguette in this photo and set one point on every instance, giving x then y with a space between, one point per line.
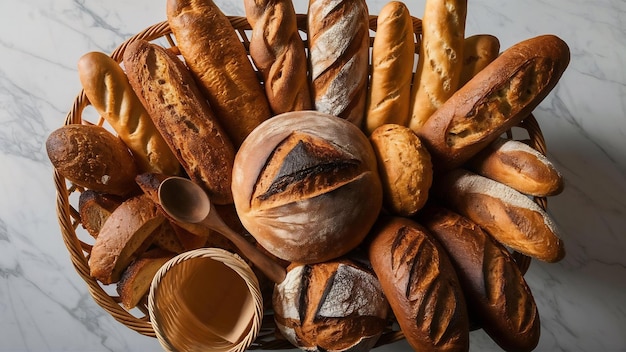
218 60
107 88
393 52
511 217
494 100
420 284
182 116
338 35
278 53
498 298
479 50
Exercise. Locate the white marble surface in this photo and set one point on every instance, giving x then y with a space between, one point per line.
44 305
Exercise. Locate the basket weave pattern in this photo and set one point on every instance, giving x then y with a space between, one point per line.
79 246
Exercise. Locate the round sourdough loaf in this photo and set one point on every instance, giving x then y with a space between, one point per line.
331 306
306 186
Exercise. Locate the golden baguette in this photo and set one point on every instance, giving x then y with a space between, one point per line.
478 52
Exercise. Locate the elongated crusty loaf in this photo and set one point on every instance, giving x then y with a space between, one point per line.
109 92
393 52
440 58
331 306
278 53
182 116
497 98
338 35
519 166
509 216
498 298
305 185
122 235
420 284
137 277
218 60
92 157
479 50
94 208
405 169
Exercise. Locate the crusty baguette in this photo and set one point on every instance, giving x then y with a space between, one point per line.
519 166
218 60
182 116
511 217
479 50
109 92
393 52
338 35
123 234
420 284
496 99
440 58
498 298
92 157
278 53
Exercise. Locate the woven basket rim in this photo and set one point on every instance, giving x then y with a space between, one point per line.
69 219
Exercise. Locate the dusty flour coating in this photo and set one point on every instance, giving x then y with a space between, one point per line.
335 100
290 292
509 145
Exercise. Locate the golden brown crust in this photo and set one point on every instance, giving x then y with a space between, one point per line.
137 277
440 58
278 53
404 167
420 284
338 35
497 98
109 92
479 50
393 51
220 64
94 208
92 157
182 116
498 298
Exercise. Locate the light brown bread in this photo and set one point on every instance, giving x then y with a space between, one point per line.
511 217
125 232
109 92
393 52
137 277
94 208
277 51
405 169
219 62
498 298
519 166
338 36
182 116
420 284
440 58
497 98
479 50
92 157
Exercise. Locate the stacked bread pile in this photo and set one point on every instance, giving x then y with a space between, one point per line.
383 180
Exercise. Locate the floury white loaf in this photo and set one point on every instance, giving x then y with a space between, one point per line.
511 217
338 35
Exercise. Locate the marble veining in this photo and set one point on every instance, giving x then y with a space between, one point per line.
45 306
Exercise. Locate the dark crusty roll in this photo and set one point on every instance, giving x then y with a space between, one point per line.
220 64
494 100
182 116
278 53
519 166
420 284
511 217
331 306
338 35
498 298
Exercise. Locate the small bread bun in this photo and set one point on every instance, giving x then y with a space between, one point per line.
305 185
405 169
331 306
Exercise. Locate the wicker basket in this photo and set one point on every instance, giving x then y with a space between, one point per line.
79 245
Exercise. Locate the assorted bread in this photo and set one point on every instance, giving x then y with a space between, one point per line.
387 182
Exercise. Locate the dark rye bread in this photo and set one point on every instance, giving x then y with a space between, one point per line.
498 297
420 284
494 100
182 115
